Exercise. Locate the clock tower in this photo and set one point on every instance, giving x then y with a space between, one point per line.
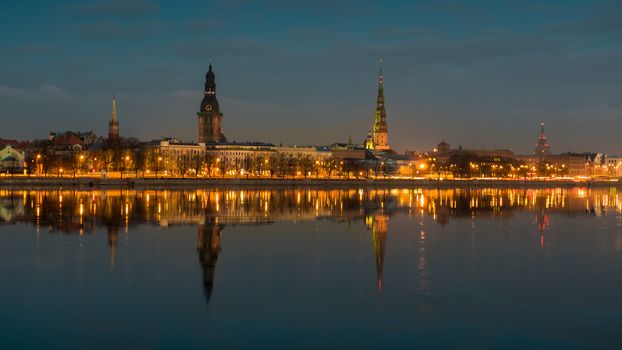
210 117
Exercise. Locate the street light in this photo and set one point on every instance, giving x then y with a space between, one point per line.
127 159
158 166
37 164
80 165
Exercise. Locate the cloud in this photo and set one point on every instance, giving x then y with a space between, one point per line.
115 30
42 91
606 26
28 49
202 25
323 7
403 30
8 91
119 8
454 8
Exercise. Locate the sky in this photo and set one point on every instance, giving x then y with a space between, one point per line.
481 74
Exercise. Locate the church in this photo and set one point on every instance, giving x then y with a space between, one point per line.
210 117
378 140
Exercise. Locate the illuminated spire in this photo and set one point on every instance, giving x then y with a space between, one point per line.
381 133
114 108
542 147
380 98
113 125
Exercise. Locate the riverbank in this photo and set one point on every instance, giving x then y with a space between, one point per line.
172 183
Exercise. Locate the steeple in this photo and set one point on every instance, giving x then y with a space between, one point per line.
380 112
114 108
113 125
381 130
210 81
542 147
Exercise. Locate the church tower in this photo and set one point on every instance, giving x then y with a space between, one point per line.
381 131
210 117
113 125
542 147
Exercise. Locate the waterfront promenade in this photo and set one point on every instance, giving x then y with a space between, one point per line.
93 182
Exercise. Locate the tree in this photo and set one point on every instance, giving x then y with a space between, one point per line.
464 164
258 162
330 165
305 164
209 160
222 166
247 165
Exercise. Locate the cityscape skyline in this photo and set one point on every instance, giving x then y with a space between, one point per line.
310 91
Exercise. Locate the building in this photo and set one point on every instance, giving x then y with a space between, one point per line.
172 157
210 117
542 147
11 159
379 139
614 165
66 143
566 164
113 125
239 151
443 147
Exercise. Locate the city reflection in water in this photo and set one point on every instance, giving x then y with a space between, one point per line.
80 212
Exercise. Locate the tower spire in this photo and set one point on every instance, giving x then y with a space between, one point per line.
113 125
542 147
114 108
381 134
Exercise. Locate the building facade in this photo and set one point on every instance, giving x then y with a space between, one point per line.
11 160
614 165
173 157
210 117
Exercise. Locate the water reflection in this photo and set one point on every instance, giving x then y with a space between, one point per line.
211 211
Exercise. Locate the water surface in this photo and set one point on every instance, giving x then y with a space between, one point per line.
307 268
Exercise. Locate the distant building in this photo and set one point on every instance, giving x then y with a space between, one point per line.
301 152
210 117
542 147
174 157
569 164
87 137
113 125
443 147
379 139
11 159
239 151
68 142
614 165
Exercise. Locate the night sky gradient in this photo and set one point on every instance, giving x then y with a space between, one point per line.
478 73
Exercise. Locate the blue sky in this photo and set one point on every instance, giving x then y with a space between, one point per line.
478 73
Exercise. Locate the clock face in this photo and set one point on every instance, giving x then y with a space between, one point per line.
208 108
